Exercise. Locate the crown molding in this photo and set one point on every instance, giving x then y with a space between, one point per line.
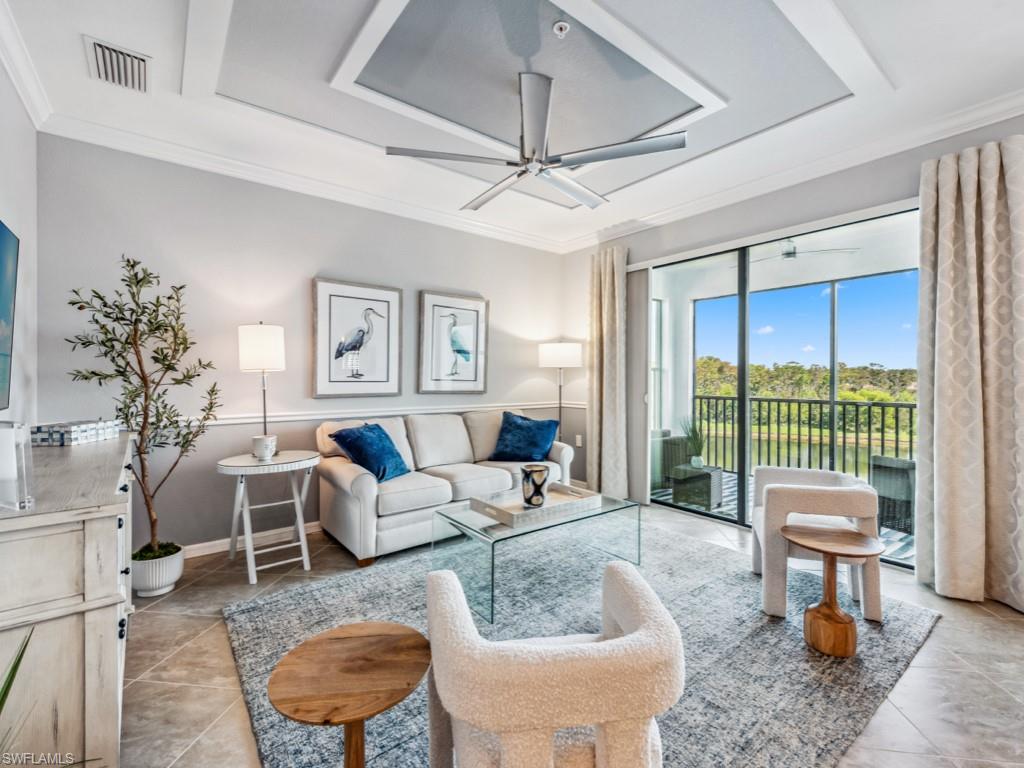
75 128
951 124
18 63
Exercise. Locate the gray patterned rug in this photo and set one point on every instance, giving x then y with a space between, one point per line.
755 694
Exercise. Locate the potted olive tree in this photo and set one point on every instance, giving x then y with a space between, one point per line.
144 342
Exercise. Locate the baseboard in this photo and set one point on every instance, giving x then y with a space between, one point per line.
259 539
579 484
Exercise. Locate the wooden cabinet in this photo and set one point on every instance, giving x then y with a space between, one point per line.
65 575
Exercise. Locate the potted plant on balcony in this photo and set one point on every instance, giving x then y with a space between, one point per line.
144 341
693 434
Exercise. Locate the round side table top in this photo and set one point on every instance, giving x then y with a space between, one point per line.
282 461
833 541
349 673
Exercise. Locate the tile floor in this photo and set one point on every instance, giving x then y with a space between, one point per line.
960 705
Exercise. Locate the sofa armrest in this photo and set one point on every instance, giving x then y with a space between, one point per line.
350 478
561 454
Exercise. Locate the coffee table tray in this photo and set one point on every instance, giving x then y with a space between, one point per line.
508 508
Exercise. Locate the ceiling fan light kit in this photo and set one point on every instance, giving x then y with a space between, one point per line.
535 111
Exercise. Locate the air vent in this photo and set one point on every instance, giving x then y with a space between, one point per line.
117 66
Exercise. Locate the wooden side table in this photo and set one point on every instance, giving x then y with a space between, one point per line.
247 465
348 674
827 627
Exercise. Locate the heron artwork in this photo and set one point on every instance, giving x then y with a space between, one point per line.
355 341
460 349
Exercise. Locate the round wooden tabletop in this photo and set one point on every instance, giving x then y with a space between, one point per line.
833 541
349 673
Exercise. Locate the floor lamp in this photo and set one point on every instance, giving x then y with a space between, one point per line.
560 355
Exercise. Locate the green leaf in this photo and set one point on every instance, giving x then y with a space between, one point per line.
12 670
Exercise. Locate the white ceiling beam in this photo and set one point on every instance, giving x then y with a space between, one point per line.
829 32
16 60
205 39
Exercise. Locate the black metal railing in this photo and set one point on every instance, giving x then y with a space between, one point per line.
797 432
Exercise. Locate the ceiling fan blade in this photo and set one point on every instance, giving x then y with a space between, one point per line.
494 191
429 154
573 189
624 149
535 106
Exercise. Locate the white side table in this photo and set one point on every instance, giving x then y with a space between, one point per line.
292 462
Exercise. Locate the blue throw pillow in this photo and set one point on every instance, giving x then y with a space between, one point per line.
372 448
523 439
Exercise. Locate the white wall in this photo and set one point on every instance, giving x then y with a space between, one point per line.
18 212
249 252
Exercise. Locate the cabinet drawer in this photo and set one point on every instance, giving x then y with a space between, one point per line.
41 565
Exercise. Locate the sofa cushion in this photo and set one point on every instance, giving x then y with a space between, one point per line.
483 428
472 479
370 447
523 439
414 490
394 426
515 468
439 438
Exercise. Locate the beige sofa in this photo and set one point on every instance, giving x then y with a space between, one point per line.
449 458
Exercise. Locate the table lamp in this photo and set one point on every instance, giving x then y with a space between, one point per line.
560 355
261 350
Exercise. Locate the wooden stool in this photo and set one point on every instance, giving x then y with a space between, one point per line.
827 627
348 674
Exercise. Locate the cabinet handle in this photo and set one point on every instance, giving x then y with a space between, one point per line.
120 522
126 571
122 623
121 634
123 488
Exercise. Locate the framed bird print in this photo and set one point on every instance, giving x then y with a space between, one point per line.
357 339
453 343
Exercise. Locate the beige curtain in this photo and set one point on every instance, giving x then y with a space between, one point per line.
606 412
970 490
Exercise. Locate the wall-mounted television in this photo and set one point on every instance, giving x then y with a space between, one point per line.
8 289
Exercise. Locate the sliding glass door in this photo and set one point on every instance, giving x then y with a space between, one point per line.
797 353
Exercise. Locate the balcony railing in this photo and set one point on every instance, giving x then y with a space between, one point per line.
796 432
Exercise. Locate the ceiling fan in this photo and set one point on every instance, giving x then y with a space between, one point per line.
535 105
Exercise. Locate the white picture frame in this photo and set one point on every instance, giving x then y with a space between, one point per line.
453 343
357 339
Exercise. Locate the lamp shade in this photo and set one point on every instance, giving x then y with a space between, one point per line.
261 347
560 354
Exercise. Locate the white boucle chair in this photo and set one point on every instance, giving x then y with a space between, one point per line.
507 704
789 496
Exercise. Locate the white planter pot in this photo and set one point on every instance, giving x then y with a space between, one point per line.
157 577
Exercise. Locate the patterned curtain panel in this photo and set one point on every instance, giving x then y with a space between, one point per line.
970 488
606 414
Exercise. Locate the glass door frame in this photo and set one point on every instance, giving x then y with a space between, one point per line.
742 456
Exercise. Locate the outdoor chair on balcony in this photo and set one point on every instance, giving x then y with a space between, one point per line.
788 496
893 478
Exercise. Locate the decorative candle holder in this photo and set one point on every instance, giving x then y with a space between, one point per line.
535 480
15 467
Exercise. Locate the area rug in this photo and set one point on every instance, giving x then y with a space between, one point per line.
755 695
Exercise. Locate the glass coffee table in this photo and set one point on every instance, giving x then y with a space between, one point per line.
464 541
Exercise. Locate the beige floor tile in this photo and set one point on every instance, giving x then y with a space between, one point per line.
161 721
1002 610
933 655
152 637
208 594
890 730
962 763
962 713
331 559
228 742
876 758
205 660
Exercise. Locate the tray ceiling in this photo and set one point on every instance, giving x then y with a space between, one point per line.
304 94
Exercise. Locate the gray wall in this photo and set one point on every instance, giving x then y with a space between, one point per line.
248 252
18 212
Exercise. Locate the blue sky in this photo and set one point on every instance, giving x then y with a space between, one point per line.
877 323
